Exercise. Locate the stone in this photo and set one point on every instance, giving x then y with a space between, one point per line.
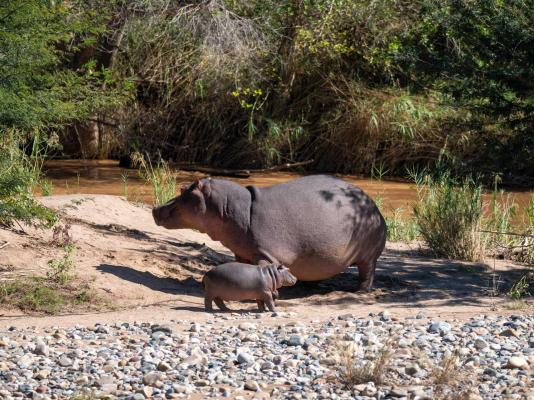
385 315
517 362
151 378
509 333
439 327
396 392
41 349
252 385
480 344
147 391
245 358
163 366
295 340
65 361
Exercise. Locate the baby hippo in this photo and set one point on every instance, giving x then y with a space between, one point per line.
238 281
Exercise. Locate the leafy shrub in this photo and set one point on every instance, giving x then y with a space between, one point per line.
19 173
61 271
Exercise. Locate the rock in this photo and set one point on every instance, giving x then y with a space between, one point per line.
370 390
396 392
412 369
102 329
295 340
41 389
202 383
509 333
252 385
517 362
41 349
344 317
163 366
245 358
147 391
65 361
151 378
480 344
439 327
42 374
159 335
162 328
385 315
194 327
25 361
267 365
247 326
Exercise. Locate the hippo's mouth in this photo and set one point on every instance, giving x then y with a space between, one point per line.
155 216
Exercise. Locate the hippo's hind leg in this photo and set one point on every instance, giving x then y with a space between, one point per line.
207 303
261 305
366 275
269 302
221 304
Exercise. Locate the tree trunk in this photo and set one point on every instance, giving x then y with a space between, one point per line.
89 138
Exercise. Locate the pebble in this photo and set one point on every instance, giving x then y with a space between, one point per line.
517 362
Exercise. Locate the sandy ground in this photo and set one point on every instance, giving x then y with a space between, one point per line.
152 274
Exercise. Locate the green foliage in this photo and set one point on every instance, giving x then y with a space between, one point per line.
400 228
37 89
523 287
449 216
19 174
62 270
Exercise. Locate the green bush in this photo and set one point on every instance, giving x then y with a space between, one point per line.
449 216
19 174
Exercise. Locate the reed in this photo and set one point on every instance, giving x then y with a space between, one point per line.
160 177
449 216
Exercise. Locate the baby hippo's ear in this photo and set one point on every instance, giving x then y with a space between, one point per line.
183 188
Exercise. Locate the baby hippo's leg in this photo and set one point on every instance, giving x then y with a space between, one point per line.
221 304
261 305
207 303
275 294
269 302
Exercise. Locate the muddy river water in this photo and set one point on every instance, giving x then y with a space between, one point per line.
106 177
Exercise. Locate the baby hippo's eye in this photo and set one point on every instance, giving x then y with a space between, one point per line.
281 267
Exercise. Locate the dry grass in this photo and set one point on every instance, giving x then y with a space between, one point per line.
359 365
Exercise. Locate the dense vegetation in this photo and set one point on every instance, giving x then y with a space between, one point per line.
351 84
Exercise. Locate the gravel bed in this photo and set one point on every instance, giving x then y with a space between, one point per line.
270 356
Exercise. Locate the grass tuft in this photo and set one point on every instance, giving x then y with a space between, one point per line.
161 178
359 366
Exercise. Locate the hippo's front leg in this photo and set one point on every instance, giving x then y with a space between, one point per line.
207 303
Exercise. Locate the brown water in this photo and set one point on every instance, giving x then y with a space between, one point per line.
106 177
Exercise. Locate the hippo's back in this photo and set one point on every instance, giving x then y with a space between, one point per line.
317 225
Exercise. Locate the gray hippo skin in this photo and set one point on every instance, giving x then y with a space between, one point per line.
316 225
239 281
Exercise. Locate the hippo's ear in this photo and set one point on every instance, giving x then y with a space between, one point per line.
183 188
198 183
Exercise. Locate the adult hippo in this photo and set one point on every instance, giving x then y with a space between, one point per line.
316 225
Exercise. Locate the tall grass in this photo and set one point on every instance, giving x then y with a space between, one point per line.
161 178
449 216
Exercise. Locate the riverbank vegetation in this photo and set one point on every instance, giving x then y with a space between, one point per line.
350 84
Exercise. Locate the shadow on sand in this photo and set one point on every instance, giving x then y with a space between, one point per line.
400 278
